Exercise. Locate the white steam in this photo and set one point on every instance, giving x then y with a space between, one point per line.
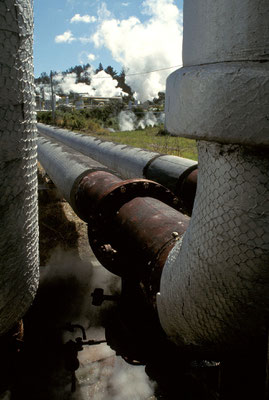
144 46
129 122
101 375
102 85
129 382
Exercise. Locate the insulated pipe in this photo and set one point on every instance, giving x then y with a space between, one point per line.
18 192
65 166
221 93
124 217
214 287
129 162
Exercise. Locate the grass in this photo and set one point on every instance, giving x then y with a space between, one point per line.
151 139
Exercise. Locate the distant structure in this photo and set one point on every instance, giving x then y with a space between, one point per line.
81 101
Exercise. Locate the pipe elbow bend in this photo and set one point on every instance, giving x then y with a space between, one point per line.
214 286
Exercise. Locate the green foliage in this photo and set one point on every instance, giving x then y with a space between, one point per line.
45 117
80 120
110 70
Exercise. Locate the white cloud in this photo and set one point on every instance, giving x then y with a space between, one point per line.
125 4
66 37
83 18
145 46
91 57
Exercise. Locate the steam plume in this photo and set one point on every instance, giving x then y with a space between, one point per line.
144 46
129 122
102 84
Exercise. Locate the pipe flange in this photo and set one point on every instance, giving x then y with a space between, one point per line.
102 217
125 191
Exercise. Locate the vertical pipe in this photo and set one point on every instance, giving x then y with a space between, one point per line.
18 177
214 287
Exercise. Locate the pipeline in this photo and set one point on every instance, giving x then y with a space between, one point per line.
214 284
134 216
132 227
176 173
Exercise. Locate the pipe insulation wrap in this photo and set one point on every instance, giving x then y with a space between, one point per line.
129 162
18 192
222 102
118 157
222 93
218 31
214 286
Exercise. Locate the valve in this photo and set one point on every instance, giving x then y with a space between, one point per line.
71 349
98 297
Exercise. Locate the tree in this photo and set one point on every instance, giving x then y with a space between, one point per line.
160 99
121 83
110 70
44 78
100 68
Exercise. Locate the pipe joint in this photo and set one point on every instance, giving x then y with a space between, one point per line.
107 194
103 200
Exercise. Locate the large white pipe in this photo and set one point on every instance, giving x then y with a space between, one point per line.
222 92
18 176
215 284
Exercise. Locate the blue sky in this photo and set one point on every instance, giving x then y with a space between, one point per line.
134 34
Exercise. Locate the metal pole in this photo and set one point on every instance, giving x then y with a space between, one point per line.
52 97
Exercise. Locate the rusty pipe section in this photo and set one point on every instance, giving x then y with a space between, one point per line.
132 224
130 162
